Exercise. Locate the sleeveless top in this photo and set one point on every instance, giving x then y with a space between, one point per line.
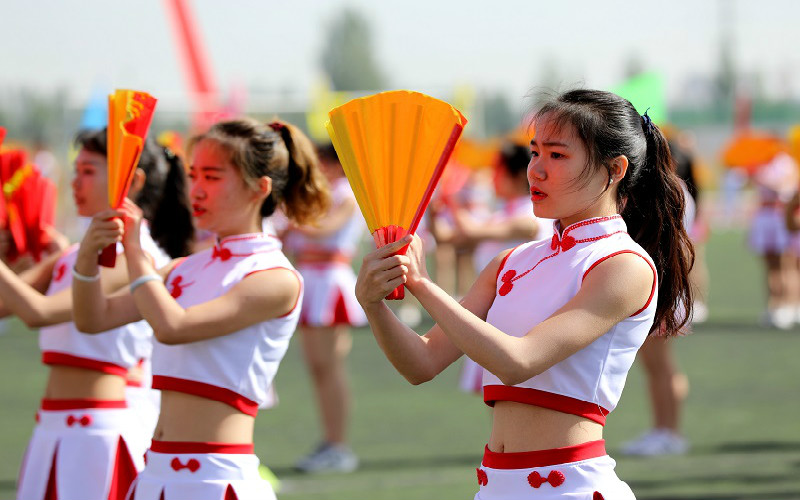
113 351
343 242
536 280
238 368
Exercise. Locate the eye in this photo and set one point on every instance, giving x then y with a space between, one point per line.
534 153
555 155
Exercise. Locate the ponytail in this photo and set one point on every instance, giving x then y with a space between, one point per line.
171 223
306 194
653 211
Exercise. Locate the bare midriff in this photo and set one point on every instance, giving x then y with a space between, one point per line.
71 382
519 427
185 417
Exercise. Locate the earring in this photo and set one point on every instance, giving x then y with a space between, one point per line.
610 181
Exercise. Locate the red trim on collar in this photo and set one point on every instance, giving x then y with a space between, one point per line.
208 391
543 458
64 359
179 447
549 400
655 276
587 222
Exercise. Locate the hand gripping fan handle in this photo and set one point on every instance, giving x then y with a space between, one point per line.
390 234
108 257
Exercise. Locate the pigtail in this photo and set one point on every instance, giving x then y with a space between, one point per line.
171 222
653 211
306 195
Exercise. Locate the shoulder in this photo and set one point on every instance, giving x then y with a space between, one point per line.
625 280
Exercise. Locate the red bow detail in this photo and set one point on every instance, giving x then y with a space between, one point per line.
192 464
555 478
565 244
222 253
83 421
507 285
60 270
483 479
177 289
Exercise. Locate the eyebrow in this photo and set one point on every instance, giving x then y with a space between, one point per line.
550 143
211 167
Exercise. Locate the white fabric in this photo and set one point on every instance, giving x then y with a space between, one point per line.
597 373
345 240
123 346
768 232
85 455
208 482
245 361
581 480
324 284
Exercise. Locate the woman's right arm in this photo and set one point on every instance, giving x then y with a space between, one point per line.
92 310
418 358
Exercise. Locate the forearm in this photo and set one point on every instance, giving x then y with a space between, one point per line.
89 301
486 345
21 299
406 350
152 299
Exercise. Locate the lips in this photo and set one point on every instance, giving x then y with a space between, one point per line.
537 194
197 210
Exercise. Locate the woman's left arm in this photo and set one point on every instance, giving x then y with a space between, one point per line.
612 291
259 297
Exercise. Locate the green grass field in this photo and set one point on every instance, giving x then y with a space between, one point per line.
425 442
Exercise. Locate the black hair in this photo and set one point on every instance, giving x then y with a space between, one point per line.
650 198
164 199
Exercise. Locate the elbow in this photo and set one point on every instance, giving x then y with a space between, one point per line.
417 378
34 321
85 325
167 336
516 373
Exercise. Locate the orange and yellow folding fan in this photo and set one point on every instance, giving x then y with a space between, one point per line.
751 150
14 170
129 115
2 135
393 147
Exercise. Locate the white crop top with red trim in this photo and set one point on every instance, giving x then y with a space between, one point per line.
536 280
113 351
238 368
344 241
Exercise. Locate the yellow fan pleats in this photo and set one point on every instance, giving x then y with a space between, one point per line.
393 146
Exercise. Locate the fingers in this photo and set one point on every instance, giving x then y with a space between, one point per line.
392 248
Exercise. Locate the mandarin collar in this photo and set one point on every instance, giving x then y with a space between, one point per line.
242 245
586 230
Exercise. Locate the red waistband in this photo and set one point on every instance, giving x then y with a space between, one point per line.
549 400
81 404
543 458
197 447
208 391
60 358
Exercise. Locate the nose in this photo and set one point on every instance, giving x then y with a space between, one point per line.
536 170
196 192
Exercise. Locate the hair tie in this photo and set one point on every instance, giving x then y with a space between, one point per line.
647 123
277 126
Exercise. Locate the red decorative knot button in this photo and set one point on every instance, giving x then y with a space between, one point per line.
507 284
554 242
222 253
192 464
597 496
84 421
567 243
555 478
483 479
177 290
60 271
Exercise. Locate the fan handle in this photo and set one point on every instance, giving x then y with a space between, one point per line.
384 236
